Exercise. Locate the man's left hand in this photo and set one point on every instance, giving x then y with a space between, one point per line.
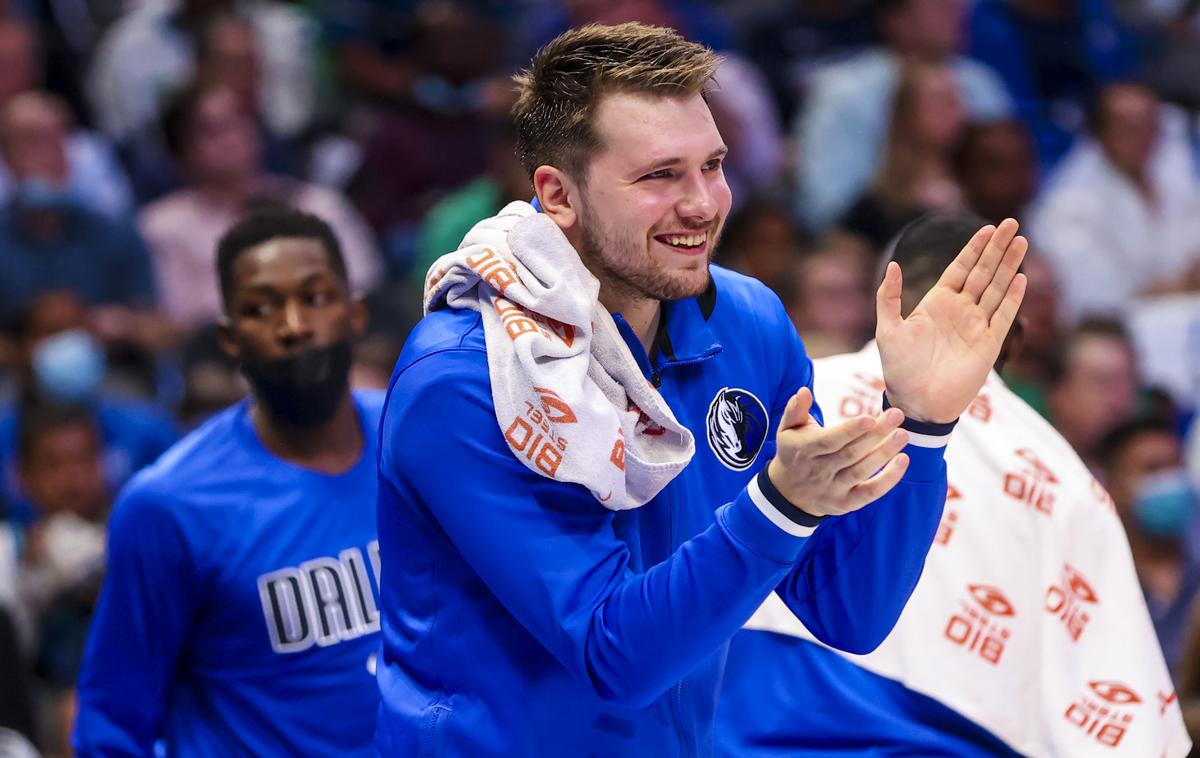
936 360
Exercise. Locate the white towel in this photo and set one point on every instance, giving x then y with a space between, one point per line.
569 396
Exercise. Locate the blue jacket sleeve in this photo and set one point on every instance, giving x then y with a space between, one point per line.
138 629
548 552
857 571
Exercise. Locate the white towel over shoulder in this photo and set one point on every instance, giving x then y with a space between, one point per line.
570 399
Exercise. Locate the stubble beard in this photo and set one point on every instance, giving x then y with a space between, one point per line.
625 271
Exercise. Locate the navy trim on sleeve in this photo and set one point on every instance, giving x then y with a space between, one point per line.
794 513
923 427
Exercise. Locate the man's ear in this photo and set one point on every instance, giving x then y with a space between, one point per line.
558 195
225 339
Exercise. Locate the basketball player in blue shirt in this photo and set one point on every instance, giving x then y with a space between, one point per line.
521 616
239 615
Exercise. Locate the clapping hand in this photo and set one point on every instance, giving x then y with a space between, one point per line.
936 360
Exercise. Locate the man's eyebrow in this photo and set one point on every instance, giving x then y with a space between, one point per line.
660 163
271 289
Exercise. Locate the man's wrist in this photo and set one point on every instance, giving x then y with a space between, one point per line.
924 433
775 505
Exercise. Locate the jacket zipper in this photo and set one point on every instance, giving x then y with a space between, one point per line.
685 749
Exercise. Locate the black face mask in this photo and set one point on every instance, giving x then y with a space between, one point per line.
302 390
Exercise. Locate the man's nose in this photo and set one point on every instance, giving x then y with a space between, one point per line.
698 202
295 326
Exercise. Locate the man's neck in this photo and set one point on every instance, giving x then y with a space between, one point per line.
641 313
333 447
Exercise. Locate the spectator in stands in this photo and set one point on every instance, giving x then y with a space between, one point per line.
787 41
211 380
842 131
152 51
94 174
916 175
18 729
1143 462
63 361
1121 216
1052 55
444 62
17 720
439 78
762 240
217 149
230 55
453 216
997 168
48 240
1029 370
702 22
1093 386
830 299
745 114
61 455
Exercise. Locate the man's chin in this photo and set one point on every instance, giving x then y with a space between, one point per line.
683 285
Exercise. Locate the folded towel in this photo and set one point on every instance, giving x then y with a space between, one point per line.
570 399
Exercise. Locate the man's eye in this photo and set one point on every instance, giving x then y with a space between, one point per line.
662 174
713 165
255 310
318 299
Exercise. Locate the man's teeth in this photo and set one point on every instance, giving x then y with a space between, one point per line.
685 240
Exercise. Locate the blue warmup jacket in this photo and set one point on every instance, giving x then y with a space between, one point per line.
522 618
239 614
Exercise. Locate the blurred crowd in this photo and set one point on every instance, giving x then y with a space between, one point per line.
132 134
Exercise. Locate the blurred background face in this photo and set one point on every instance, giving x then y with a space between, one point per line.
1129 126
63 473
53 313
222 141
33 132
233 61
997 170
1149 452
830 304
1097 391
938 116
762 242
833 294
930 29
1039 309
62 358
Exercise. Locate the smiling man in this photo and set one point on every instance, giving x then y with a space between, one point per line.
525 613
238 616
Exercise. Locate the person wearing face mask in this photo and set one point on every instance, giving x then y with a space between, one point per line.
63 361
48 239
239 614
1154 497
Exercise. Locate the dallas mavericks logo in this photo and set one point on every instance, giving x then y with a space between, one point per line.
737 427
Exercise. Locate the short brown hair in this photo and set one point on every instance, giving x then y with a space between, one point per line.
558 94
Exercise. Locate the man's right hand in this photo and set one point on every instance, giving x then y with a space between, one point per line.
836 470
